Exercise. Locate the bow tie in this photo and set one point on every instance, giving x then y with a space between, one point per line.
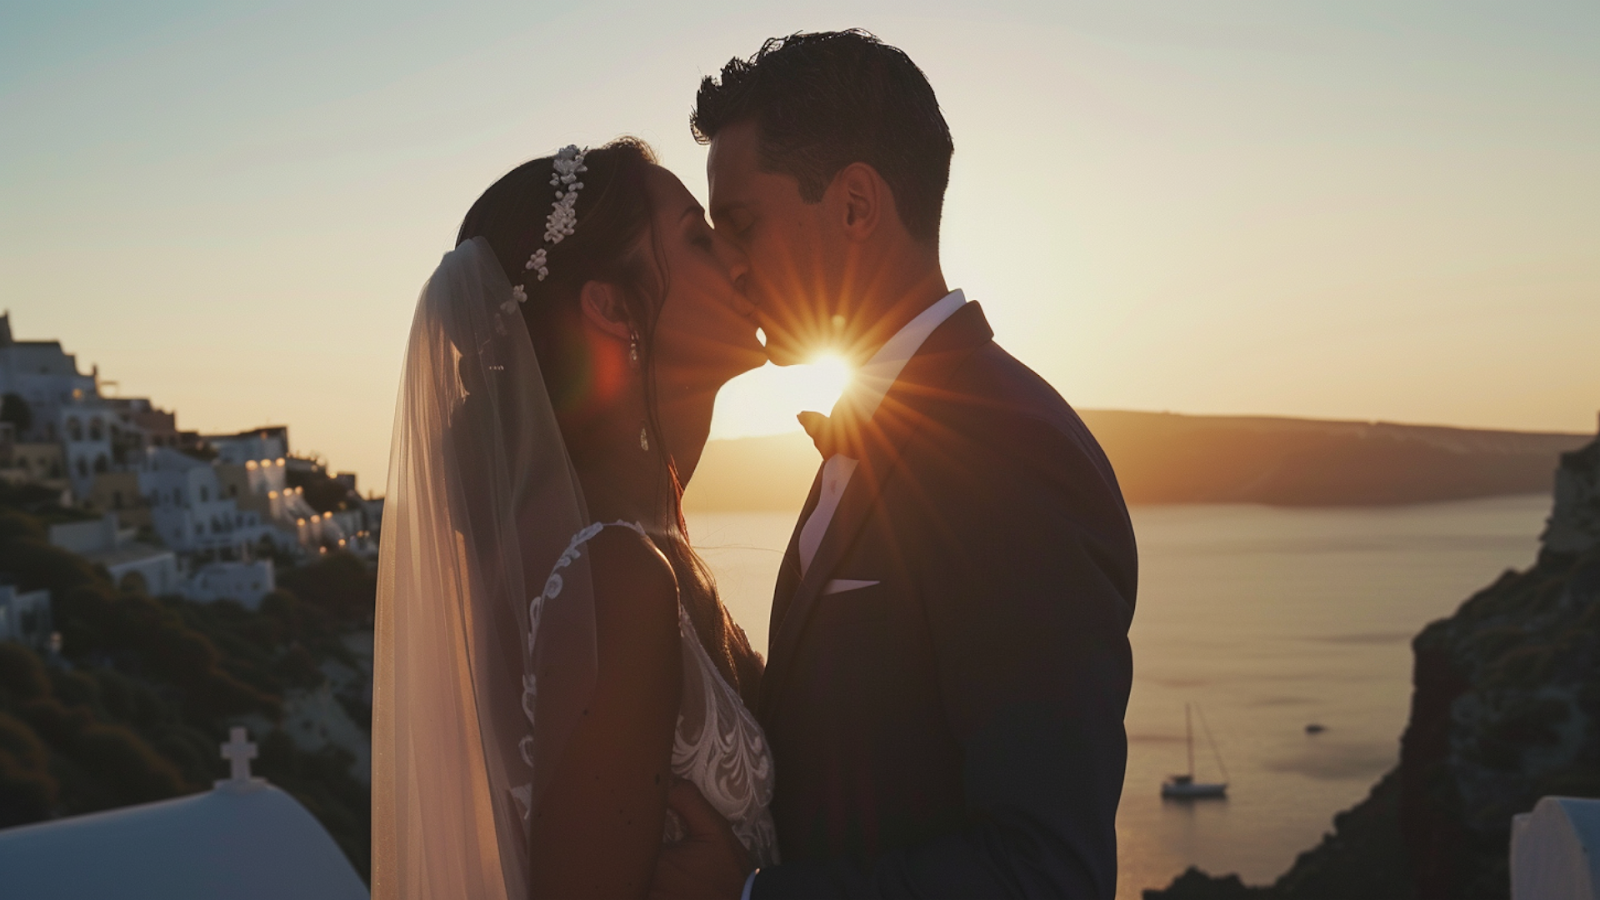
831 435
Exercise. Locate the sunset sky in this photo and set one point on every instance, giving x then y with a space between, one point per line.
1369 210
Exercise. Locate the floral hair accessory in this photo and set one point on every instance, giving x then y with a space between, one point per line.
538 262
563 218
518 296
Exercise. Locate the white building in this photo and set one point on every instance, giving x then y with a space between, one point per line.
1555 850
154 427
25 617
85 427
44 376
266 475
271 442
187 507
244 839
262 486
131 564
243 582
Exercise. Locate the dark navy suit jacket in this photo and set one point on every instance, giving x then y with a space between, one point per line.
955 730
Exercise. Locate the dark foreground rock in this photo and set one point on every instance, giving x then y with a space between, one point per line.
1505 709
1362 858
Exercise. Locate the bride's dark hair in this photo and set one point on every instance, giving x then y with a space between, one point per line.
614 212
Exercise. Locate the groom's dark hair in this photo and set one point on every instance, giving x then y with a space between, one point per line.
824 100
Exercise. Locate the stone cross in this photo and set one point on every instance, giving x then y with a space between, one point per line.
239 751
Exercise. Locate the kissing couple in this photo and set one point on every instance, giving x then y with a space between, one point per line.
562 705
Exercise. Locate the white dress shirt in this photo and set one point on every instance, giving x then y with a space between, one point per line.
865 394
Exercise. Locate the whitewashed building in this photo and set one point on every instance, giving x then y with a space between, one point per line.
1555 850
25 617
132 565
85 430
269 443
242 582
188 509
244 839
44 376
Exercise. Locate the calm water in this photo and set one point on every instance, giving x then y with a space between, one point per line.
1269 619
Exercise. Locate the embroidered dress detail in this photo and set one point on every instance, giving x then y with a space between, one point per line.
719 745
722 749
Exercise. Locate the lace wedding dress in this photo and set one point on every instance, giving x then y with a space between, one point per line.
718 746
477 688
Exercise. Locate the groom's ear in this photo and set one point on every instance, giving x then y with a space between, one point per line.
861 199
603 308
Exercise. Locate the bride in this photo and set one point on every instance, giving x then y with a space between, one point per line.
551 654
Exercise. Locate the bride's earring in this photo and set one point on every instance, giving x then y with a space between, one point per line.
633 363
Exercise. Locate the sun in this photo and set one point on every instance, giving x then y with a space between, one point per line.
825 377
765 401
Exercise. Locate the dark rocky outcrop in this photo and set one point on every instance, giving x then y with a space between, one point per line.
1505 710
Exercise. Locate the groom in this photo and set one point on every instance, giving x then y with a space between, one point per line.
949 661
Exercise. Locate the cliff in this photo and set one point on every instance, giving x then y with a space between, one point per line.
1169 458
1505 709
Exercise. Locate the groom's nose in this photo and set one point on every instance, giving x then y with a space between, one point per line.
738 267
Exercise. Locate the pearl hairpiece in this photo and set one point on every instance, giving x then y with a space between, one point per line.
563 218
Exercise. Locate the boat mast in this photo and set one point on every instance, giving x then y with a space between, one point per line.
1215 753
1188 731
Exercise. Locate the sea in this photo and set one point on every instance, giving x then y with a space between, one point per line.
1262 620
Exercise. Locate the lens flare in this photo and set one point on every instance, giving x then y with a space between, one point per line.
764 401
827 377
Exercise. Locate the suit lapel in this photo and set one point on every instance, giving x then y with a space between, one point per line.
789 570
898 417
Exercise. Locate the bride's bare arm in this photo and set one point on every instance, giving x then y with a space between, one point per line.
598 829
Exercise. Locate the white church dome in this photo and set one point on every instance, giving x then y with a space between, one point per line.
243 840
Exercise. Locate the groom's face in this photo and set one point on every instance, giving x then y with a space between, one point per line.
795 263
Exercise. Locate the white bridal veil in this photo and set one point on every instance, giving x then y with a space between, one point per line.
482 500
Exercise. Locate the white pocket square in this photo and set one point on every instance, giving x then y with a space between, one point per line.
839 585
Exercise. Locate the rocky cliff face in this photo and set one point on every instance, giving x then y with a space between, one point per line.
1507 701
1574 527
1505 710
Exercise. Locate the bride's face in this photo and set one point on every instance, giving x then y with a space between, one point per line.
706 332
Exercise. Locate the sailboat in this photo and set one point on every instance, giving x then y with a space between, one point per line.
1184 787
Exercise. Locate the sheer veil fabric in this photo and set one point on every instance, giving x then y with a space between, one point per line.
478 678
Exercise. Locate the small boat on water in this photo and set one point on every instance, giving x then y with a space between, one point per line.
1184 787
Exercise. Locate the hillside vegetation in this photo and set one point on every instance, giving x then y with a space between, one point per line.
145 688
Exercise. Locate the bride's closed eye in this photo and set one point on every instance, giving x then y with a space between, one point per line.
700 235
696 230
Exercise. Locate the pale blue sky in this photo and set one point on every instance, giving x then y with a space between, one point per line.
1342 209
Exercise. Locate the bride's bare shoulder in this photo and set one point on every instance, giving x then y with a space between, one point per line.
633 582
